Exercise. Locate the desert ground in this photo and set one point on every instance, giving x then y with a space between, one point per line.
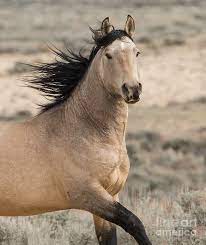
166 136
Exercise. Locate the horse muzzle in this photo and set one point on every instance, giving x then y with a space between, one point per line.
131 94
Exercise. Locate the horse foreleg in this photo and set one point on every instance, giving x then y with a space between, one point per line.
100 203
105 231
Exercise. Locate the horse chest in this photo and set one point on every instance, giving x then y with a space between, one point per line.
107 164
96 157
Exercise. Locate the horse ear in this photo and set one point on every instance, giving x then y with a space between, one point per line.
106 26
130 26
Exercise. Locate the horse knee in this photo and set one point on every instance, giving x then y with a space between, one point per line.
105 231
107 237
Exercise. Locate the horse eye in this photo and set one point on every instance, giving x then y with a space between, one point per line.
137 54
108 56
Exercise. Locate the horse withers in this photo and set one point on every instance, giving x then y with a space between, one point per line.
73 155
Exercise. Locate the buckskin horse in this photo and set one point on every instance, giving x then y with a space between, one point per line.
73 155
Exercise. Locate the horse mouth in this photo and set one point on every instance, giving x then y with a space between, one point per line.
132 101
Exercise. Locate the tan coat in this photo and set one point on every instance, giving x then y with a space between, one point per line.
74 155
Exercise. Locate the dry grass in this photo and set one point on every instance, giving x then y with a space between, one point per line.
177 218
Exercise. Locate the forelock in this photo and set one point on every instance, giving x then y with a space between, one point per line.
110 38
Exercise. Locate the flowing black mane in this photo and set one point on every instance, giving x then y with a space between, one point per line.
58 80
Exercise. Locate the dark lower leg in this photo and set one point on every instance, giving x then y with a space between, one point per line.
131 224
101 204
119 215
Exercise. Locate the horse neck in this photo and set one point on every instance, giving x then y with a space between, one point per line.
104 114
90 109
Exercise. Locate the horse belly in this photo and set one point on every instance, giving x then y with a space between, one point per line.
30 198
27 183
28 188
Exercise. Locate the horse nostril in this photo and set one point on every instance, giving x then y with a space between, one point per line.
125 89
136 94
140 87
